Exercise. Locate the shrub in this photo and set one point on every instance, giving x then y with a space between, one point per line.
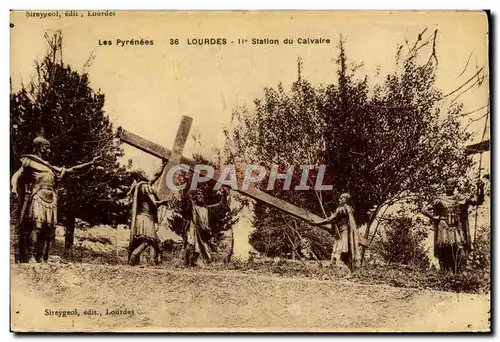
403 242
480 256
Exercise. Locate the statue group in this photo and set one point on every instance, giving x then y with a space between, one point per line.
35 188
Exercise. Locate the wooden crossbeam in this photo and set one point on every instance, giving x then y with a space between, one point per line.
175 157
256 194
480 147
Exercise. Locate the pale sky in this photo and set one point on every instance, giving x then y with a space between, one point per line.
149 88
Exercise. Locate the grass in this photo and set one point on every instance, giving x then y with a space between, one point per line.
105 245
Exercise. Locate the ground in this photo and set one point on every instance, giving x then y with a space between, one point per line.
172 298
182 299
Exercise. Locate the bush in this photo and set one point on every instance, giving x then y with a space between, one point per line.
469 281
403 242
479 259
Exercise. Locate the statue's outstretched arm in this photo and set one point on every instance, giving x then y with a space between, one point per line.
81 166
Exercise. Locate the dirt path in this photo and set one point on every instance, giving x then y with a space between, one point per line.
190 300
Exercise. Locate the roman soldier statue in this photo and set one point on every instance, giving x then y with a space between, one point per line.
449 215
35 186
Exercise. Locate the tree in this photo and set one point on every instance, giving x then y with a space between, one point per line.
384 144
60 104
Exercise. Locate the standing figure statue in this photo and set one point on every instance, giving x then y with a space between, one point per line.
449 214
144 225
200 220
196 231
343 227
35 186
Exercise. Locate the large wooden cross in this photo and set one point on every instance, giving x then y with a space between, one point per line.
175 157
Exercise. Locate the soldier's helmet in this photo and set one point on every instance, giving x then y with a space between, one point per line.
39 141
451 184
42 146
452 181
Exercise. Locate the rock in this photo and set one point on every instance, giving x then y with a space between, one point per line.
325 277
55 259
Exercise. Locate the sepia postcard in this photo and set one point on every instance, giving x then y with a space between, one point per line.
250 171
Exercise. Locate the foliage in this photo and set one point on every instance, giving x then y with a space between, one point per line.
294 236
403 242
480 256
478 270
382 144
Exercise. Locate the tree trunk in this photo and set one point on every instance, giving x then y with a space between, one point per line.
367 233
363 248
69 231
